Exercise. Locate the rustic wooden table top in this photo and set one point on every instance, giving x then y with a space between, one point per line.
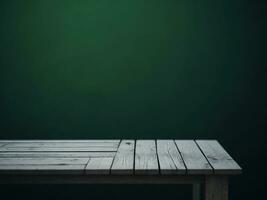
115 157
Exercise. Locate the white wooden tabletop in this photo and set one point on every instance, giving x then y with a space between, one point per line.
115 157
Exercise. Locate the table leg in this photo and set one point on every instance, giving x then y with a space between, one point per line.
196 191
216 187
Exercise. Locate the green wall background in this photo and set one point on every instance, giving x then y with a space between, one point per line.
136 69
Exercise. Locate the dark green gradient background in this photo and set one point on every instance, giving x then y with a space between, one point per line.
135 69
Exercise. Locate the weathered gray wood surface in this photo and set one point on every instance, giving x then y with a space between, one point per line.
195 161
146 161
118 157
170 160
2 144
124 158
219 159
56 169
56 154
60 144
99 165
61 141
42 160
56 149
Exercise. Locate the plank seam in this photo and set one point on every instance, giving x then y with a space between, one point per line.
213 171
156 144
4 144
134 157
84 171
186 169
172 157
114 156
176 167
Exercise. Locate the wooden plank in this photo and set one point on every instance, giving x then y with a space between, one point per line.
195 161
57 141
219 159
2 144
59 144
216 188
124 158
99 165
170 160
42 169
57 149
146 161
56 154
45 161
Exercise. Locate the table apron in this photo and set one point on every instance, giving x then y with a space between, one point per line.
101 179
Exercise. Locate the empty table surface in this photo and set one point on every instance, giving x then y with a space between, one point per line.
115 157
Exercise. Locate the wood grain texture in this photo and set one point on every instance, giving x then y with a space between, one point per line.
99 165
2 144
57 149
55 154
219 159
61 141
146 161
124 158
116 157
60 144
195 161
170 160
55 169
44 161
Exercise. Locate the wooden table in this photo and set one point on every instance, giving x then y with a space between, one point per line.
202 163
